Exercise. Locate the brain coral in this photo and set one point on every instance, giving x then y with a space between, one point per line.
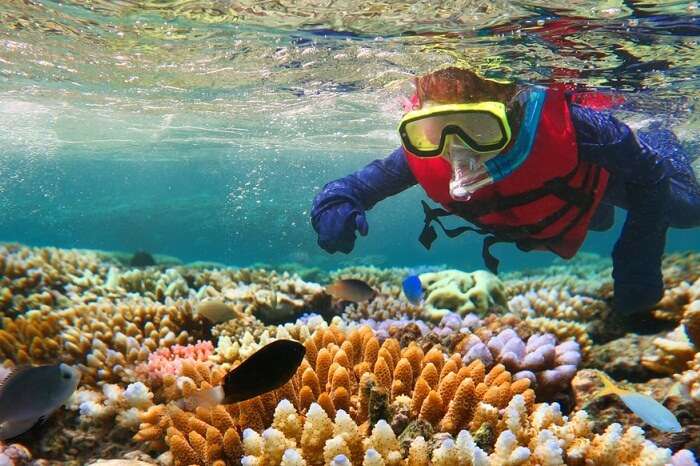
461 292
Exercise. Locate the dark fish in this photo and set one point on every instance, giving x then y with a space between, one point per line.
351 289
267 369
142 259
29 395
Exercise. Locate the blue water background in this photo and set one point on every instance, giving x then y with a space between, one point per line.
206 137
183 207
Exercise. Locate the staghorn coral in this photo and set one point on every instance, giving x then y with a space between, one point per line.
461 292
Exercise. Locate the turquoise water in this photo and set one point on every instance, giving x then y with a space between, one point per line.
202 130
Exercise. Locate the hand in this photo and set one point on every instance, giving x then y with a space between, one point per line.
636 298
336 226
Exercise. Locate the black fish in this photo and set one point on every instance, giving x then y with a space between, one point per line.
142 259
267 369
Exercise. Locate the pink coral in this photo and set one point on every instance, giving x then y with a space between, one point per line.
165 361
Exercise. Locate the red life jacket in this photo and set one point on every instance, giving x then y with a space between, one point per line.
546 203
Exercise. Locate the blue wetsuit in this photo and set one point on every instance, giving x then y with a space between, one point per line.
650 176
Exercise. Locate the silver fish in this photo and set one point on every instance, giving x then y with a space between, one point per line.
28 395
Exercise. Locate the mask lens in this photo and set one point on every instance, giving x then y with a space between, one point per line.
481 128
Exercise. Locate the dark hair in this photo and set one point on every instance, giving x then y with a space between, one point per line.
458 85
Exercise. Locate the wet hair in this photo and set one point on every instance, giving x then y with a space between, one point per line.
459 85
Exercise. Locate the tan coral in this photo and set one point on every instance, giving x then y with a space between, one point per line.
105 340
676 349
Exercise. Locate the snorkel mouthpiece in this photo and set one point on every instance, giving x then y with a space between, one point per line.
468 174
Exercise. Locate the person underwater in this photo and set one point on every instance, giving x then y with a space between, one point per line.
531 165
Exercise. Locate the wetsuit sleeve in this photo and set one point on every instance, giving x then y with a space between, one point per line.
364 188
645 177
339 209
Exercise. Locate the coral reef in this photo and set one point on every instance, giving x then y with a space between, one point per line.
677 348
522 435
461 292
466 378
105 340
690 380
587 275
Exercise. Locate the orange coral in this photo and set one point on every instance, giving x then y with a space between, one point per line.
442 390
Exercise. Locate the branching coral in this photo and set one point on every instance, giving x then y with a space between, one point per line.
457 390
168 361
353 372
461 292
587 274
105 340
677 349
690 379
381 308
126 405
522 435
35 277
558 303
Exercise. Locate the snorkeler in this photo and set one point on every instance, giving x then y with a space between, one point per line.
534 166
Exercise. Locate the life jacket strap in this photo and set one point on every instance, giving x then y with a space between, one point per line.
573 198
428 234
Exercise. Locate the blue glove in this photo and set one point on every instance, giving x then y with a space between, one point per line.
339 208
336 225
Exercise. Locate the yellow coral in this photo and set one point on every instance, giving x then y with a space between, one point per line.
461 292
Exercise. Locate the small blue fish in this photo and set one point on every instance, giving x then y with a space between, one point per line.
648 409
413 289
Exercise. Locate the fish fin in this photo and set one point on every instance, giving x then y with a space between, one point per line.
609 387
14 372
24 427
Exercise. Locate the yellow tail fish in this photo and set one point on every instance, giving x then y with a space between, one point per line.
648 409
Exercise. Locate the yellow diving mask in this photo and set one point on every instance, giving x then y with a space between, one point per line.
482 127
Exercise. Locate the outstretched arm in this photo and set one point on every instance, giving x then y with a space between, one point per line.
642 175
339 209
